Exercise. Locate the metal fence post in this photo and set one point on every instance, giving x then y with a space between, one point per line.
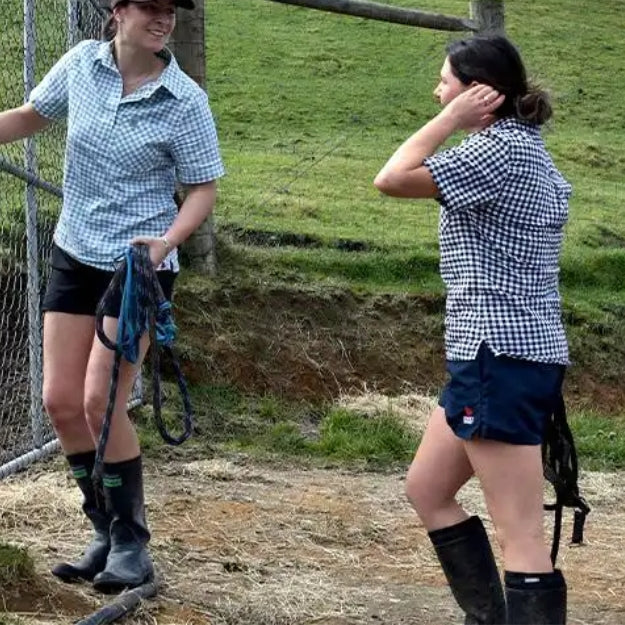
73 22
32 244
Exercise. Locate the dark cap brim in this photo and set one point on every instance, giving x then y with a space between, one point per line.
183 4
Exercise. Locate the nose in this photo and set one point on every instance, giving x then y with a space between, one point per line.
165 14
163 19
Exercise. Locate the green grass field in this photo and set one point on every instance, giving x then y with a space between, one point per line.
310 105
324 434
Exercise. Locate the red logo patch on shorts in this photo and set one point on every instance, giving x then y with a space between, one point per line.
468 418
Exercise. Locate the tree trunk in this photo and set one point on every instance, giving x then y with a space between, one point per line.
189 45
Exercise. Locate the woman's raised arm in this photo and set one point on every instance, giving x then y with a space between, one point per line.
21 122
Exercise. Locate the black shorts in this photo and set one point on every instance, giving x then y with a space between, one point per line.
501 398
76 288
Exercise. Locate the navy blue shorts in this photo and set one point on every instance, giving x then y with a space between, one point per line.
500 398
76 288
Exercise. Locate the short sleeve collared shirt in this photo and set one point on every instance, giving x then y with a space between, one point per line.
124 154
503 209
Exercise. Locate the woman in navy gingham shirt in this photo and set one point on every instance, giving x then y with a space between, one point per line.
503 208
136 124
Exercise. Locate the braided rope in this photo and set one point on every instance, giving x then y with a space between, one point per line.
143 308
121 605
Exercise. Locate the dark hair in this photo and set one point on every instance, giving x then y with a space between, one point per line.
109 28
494 61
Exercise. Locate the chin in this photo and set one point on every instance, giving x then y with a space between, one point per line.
155 46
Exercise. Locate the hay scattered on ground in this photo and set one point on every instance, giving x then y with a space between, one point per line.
413 409
245 544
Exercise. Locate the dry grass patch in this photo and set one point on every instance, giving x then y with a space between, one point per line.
240 543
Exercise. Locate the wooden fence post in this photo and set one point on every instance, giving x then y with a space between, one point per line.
189 45
489 16
385 13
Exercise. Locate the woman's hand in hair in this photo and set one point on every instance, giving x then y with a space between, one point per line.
474 108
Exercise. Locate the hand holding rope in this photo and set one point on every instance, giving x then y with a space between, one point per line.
143 309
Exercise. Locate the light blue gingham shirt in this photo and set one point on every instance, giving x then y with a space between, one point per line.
124 154
504 206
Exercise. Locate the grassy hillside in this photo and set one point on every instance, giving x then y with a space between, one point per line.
310 105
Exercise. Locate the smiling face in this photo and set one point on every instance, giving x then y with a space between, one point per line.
449 86
146 24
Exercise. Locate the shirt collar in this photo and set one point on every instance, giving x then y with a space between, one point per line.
171 78
512 122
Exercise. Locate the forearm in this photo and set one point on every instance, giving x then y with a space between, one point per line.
197 206
423 143
20 122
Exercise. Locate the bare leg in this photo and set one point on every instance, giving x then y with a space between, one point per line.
123 443
66 346
128 563
440 468
67 342
512 480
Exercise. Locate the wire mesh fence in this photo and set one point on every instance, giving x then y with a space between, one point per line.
35 33
26 223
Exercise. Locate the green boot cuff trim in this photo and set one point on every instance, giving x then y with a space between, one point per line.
112 481
79 472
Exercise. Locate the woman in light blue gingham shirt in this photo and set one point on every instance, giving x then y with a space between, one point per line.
503 209
136 124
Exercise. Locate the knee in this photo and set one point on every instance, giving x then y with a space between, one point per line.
419 492
95 407
62 405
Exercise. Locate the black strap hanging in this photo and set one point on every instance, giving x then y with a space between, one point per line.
561 470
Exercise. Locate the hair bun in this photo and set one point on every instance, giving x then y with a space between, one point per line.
534 106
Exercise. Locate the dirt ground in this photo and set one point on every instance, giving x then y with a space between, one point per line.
243 543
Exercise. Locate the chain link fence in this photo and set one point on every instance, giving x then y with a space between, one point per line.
35 33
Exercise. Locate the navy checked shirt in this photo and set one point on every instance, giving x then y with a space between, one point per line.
503 209
124 154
